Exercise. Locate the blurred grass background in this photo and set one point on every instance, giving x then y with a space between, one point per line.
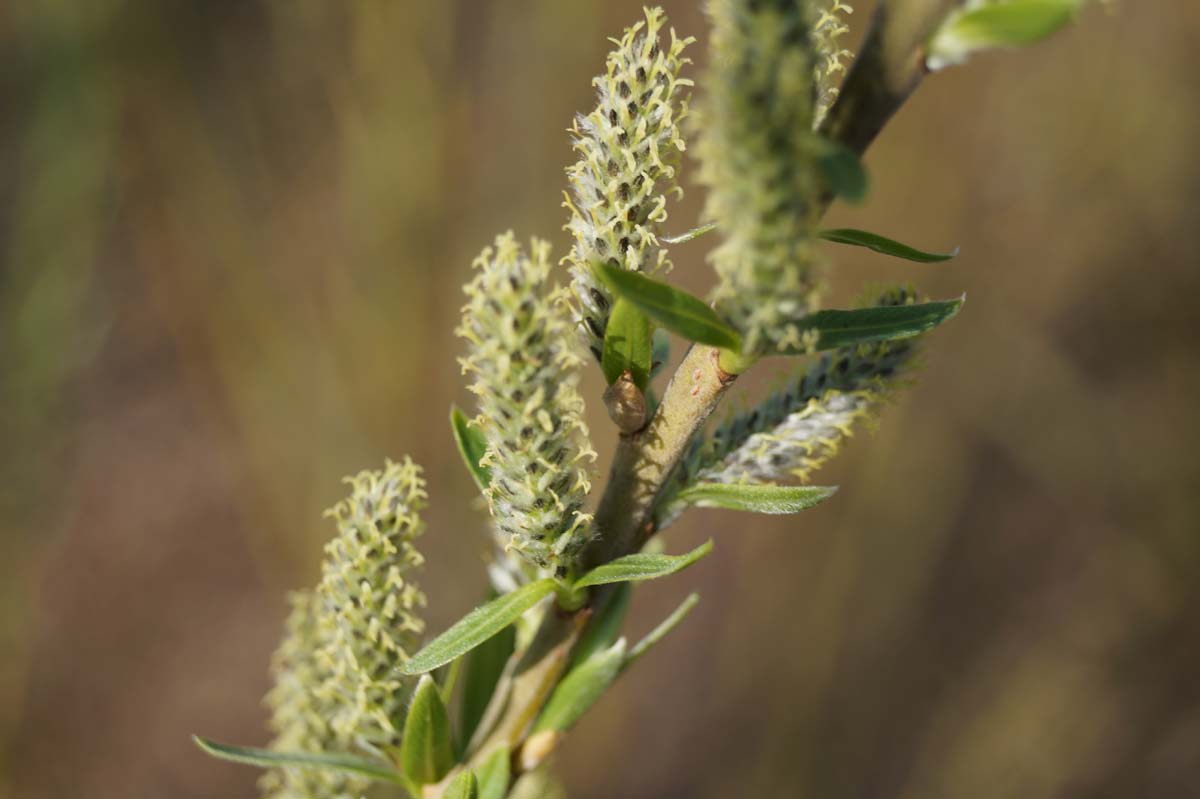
232 239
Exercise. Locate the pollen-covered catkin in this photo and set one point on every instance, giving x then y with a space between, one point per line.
299 715
629 148
523 357
758 156
797 429
371 604
829 27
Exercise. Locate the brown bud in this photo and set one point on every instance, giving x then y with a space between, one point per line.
626 404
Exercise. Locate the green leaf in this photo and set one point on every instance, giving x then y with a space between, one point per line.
604 628
843 172
267 758
694 233
773 499
672 308
478 626
627 344
493 774
1009 24
872 241
660 351
464 786
580 689
426 753
883 323
482 669
642 566
660 632
471 446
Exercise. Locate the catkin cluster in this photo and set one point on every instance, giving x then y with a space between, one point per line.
758 156
372 604
800 427
522 355
831 56
629 147
299 713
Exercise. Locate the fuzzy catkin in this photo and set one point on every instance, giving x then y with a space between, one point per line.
758 156
797 429
371 604
628 147
831 56
523 357
299 715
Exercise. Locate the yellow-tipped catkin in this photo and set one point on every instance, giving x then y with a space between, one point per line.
629 148
371 604
524 360
299 715
829 27
758 155
797 429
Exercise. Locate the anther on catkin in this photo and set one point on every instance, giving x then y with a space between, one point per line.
372 605
758 156
299 715
831 56
800 427
629 148
523 357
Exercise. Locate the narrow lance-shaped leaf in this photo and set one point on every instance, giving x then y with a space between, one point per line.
268 758
426 752
672 308
493 774
660 632
478 626
642 566
580 689
881 244
471 446
464 786
772 499
627 345
1012 23
826 330
605 626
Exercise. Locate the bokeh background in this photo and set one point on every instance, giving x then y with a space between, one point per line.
232 240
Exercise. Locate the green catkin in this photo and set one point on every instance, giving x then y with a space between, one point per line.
523 356
371 605
299 716
629 148
831 56
758 156
797 429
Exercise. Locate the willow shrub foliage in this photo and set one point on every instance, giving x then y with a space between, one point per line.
362 703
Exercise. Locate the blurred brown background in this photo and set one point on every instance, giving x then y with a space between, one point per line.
232 236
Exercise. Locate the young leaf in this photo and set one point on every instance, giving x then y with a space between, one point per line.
481 672
580 689
774 499
873 241
843 172
426 753
883 323
471 446
464 786
478 626
672 308
694 233
627 344
1009 24
493 774
642 566
658 633
605 626
268 758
